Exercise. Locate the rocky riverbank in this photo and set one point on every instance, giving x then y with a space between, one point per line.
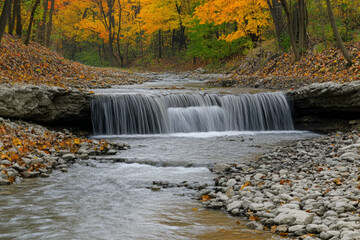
309 189
30 150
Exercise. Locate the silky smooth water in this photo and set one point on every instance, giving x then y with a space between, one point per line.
140 113
111 197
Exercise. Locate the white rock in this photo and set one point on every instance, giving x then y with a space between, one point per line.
68 156
256 206
234 205
258 176
294 217
350 156
231 182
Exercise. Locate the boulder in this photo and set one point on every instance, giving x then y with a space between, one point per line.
327 98
44 104
294 217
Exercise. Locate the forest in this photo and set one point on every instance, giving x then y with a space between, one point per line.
122 33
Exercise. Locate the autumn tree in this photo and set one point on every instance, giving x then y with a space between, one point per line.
50 24
4 17
278 19
172 18
249 17
42 29
32 16
337 34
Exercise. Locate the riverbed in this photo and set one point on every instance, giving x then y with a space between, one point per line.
112 197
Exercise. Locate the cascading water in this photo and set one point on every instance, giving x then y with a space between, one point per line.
148 114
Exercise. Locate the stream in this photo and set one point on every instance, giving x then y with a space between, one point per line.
111 197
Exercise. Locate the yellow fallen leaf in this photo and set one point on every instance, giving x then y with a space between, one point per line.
245 185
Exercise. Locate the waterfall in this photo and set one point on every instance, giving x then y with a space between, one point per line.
150 114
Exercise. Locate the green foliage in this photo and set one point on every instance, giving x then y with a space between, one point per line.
347 16
320 47
204 42
285 42
90 56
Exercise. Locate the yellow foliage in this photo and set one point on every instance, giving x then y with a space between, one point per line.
250 16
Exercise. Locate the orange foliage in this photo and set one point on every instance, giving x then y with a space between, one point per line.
251 17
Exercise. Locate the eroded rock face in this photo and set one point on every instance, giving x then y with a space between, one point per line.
44 104
329 98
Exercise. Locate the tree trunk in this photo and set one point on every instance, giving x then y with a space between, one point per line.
17 5
12 17
160 43
302 26
110 30
4 17
33 10
42 32
118 37
277 16
290 28
49 25
338 38
182 38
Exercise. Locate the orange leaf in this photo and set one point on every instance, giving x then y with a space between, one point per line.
337 181
11 179
245 185
14 157
282 182
254 218
205 198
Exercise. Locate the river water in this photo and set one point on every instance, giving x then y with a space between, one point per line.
111 197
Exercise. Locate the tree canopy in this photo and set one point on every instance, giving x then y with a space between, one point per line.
119 32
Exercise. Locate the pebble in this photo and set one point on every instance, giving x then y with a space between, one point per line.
310 188
28 166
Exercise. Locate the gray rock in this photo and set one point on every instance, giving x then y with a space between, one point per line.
350 156
298 230
61 161
4 182
313 228
69 156
44 103
27 174
256 206
111 152
155 188
18 167
234 205
231 182
327 97
329 234
294 217
282 228
255 225
5 162
258 176
221 167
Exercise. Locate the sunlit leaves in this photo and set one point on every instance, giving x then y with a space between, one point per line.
251 17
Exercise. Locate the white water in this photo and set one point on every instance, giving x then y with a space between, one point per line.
111 199
127 113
